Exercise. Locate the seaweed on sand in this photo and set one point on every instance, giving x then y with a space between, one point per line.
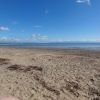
72 87
3 61
45 85
24 68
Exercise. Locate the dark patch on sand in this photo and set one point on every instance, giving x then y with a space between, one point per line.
72 87
30 68
4 61
45 85
24 68
15 67
94 91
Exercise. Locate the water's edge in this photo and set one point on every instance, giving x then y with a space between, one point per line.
86 46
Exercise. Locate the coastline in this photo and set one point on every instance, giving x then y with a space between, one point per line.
49 74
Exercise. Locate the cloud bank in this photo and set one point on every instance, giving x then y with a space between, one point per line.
39 37
33 38
7 39
84 1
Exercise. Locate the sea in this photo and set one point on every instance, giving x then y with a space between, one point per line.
68 45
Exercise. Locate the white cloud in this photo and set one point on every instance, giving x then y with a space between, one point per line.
39 37
2 28
7 39
33 38
84 1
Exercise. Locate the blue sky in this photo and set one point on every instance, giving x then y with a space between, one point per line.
49 20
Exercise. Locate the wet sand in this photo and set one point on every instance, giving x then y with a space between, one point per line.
50 74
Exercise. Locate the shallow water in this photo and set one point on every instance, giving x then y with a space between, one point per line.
89 46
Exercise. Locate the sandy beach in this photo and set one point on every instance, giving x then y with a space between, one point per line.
49 74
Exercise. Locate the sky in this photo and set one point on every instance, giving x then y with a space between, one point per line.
49 20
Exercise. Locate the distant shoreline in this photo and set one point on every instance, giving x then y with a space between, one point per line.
83 46
58 49
61 50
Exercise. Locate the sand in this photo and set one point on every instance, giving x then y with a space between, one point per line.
49 74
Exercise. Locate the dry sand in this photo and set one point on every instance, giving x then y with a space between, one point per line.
44 74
